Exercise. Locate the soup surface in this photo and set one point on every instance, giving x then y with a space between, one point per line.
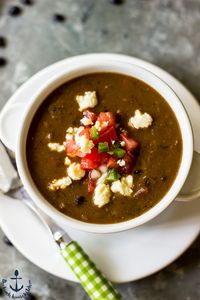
152 164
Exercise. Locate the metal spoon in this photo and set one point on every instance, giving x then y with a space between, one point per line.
90 277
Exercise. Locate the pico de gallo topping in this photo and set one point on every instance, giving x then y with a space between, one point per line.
99 152
107 146
106 143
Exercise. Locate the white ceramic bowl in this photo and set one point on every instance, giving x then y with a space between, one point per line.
100 63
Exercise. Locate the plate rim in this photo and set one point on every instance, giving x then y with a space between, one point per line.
136 61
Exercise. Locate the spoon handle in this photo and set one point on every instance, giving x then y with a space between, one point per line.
92 280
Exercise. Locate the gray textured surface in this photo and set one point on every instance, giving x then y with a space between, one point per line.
165 32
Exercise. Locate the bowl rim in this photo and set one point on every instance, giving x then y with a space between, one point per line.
36 101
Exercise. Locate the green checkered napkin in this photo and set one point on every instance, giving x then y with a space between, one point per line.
92 280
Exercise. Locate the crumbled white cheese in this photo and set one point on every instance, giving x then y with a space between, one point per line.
121 162
129 180
61 183
102 194
85 144
123 186
98 125
70 132
140 120
86 121
56 147
102 178
89 99
105 123
69 137
77 134
122 143
67 161
95 174
75 172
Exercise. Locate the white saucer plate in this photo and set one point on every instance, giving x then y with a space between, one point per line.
125 256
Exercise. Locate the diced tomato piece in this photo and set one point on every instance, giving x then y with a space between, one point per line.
94 159
130 144
103 158
112 163
90 115
88 164
72 149
91 185
108 136
106 117
94 155
91 160
85 132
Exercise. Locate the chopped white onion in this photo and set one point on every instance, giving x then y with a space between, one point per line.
103 168
95 174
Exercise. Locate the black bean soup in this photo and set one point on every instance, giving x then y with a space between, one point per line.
111 161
